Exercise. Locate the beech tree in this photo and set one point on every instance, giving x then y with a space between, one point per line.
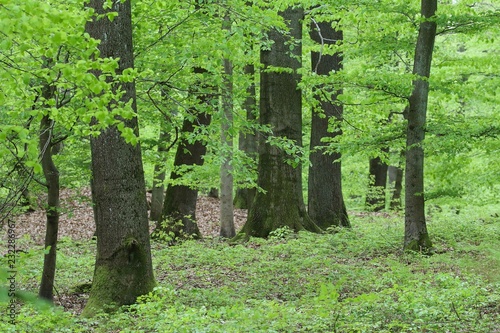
123 268
416 235
226 170
326 205
281 203
179 207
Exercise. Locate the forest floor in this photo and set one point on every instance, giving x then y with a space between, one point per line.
350 280
77 218
77 223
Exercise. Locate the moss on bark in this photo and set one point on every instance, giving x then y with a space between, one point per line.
119 280
423 244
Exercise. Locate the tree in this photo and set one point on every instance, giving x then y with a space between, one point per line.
123 268
395 181
375 198
247 142
281 203
179 206
47 141
226 169
326 205
157 192
416 235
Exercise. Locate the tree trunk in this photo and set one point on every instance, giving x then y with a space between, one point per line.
226 170
248 141
179 207
395 174
157 193
416 235
326 205
282 205
123 268
375 198
52 211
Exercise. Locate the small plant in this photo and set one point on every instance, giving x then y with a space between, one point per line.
280 233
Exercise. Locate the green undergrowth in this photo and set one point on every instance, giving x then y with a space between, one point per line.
355 280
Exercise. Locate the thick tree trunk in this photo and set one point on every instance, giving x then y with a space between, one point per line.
226 170
416 235
375 198
123 269
52 211
248 141
326 205
282 205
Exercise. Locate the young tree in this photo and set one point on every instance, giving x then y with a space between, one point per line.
279 175
51 174
123 268
326 205
416 235
226 169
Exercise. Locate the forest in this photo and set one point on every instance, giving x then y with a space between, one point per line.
249 166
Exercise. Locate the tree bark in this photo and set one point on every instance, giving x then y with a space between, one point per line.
226 169
282 205
326 205
123 268
52 211
248 141
416 235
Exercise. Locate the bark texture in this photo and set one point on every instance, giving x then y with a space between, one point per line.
123 269
52 211
326 205
282 205
226 169
416 235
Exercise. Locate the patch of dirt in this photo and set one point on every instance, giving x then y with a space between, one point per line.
77 218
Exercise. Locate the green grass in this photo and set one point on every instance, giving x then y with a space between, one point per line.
349 281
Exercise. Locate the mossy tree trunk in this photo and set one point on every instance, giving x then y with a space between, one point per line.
416 235
123 268
282 205
326 205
